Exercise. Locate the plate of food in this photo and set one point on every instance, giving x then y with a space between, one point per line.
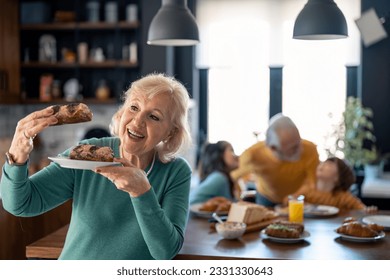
305 234
285 232
87 156
315 210
383 220
196 209
356 231
310 210
66 162
352 238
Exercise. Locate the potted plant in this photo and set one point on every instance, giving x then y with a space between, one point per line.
355 137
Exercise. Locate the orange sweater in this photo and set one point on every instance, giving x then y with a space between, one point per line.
277 179
341 199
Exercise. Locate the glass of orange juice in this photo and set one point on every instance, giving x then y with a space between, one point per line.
296 208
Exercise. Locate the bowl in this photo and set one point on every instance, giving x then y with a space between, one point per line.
230 230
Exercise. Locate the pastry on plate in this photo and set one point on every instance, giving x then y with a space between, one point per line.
216 204
298 226
282 231
357 229
92 153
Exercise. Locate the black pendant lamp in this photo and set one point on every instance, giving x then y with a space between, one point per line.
173 25
320 20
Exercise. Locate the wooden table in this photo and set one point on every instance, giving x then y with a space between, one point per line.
201 243
48 247
324 243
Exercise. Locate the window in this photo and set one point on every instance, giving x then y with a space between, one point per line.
240 40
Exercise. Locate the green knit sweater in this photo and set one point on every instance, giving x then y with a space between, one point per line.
106 223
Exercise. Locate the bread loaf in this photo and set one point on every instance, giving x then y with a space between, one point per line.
72 113
92 153
249 213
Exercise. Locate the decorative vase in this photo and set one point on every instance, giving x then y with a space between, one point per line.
372 171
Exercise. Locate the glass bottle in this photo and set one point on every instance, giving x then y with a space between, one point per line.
102 91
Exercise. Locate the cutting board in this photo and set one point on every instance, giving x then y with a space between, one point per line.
263 224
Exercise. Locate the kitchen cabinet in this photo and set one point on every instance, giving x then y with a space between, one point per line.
9 52
17 232
78 52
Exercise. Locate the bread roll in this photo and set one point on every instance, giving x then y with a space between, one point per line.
92 153
72 113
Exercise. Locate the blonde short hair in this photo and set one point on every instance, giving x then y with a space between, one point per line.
157 83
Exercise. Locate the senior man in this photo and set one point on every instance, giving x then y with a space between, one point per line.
282 163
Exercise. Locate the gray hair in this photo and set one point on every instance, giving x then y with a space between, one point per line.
151 85
278 121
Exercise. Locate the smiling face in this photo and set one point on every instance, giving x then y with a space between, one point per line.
145 122
230 158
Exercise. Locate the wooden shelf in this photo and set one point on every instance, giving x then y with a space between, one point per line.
92 64
81 25
63 101
114 38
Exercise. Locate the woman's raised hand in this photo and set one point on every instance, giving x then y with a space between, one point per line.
25 132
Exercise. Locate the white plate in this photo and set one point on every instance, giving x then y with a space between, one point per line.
362 239
313 210
310 210
383 220
80 164
194 208
303 236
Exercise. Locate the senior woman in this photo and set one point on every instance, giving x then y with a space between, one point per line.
136 210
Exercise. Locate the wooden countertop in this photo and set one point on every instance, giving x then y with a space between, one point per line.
202 243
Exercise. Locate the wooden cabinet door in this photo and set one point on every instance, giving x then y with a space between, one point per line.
9 51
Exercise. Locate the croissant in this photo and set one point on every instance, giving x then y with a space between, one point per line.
356 229
349 220
223 207
217 203
376 227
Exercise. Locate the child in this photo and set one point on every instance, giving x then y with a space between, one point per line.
216 162
334 179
